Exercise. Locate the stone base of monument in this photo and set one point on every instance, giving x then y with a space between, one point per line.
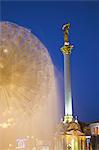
70 136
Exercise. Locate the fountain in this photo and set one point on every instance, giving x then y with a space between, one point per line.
29 103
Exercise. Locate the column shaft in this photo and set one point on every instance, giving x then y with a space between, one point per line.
67 86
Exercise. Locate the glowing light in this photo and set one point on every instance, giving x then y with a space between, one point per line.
4 125
1 66
32 137
5 50
10 145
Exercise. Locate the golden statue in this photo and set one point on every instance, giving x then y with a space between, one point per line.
65 29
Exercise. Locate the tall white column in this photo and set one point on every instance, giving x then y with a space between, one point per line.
66 50
67 86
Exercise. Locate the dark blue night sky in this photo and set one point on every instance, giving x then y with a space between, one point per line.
45 19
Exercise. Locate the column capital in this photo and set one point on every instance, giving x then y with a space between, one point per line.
66 49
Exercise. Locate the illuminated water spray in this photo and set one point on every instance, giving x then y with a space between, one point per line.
28 91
